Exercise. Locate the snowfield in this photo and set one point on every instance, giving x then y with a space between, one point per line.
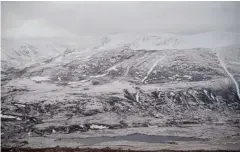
182 88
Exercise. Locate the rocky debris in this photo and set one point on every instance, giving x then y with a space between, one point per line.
129 96
96 82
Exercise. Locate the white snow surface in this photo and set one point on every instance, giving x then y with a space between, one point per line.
9 117
98 127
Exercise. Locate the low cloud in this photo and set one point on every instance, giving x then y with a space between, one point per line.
48 19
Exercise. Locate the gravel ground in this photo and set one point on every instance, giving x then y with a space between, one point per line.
58 149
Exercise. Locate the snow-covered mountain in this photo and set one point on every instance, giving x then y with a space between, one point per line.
20 53
133 80
155 41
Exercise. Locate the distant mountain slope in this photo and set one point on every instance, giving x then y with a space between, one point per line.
155 41
139 66
21 53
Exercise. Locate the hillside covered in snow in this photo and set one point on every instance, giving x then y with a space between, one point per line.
122 81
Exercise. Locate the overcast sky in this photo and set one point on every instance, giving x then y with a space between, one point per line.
47 19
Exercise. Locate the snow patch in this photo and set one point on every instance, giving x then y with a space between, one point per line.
98 76
187 76
206 92
9 117
20 105
212 96
98 127
172 94
138 97
39 78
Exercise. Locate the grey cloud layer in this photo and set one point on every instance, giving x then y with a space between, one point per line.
79 18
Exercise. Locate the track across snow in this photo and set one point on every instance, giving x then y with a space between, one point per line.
151 69
229 74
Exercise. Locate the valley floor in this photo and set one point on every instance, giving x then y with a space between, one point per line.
186 137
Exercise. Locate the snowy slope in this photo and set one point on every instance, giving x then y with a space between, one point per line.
123 81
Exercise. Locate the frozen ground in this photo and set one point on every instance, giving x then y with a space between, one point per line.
125 93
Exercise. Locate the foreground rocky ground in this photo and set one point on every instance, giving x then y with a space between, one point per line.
58 149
